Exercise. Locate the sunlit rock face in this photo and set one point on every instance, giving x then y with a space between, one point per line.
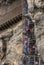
37 15
1 52
14 51
39 31
14 46
39 3
30 5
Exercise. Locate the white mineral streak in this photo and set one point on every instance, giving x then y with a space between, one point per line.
30 5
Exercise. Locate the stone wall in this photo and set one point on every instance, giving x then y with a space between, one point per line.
36 12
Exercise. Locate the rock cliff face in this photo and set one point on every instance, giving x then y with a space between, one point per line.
14 46
36 12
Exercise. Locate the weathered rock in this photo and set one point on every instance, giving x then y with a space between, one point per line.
1 52
39 3
30 5
38 17
14 46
